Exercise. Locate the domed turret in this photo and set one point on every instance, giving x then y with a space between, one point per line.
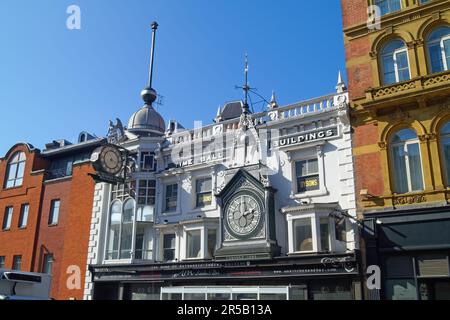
147 120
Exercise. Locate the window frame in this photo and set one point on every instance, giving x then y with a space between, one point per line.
17 163
305 153
51 216
197 193
21 224
394 56
200 232
7 218
443 53
44 263
297 177
442 138
166 208
163 248
14 267
405 145
375 3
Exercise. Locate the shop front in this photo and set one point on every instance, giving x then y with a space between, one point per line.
412 249
331 277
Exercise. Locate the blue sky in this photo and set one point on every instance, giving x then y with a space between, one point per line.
55 82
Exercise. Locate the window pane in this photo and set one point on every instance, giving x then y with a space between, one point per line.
303 235
48 264
325 234
17 263
447 53
415 167
23 216
171 197
114 231
193 244
7 218
435 53
212 241
12 172
401 289
400 175
331 291
169 247
128 211
126 240
301 168
402 66
446 151
313 166
2 262
54 212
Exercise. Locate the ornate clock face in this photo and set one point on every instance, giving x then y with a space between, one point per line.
111 160
243 215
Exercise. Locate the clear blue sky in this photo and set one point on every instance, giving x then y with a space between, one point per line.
55 82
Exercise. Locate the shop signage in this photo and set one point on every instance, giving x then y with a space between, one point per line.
306 137
102 274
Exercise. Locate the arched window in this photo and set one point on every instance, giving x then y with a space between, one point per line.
120 237
438 43
15 170
394 62
115 221
388 6
445 141
406 162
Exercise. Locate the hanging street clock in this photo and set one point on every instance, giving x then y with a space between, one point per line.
108 162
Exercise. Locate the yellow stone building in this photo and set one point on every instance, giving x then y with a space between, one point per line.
398 67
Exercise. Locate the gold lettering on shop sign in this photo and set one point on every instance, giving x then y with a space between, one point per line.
410 200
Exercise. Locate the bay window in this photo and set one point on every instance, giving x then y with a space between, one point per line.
312 229
438 45
395 62
445 143
406 162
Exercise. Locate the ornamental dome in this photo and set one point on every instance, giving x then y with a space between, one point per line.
147 121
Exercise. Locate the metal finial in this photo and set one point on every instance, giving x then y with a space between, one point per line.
152 56
246 87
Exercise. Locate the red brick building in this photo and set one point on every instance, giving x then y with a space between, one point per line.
45 211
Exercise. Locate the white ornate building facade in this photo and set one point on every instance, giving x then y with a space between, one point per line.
252 206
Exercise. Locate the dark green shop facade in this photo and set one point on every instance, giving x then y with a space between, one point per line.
315 277
412 249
